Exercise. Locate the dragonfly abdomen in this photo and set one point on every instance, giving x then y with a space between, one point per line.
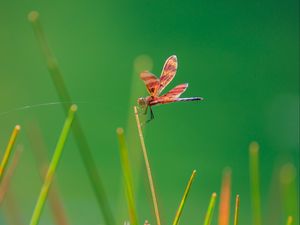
189 99
170 100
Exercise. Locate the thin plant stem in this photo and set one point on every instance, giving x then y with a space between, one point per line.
254 181
210 209
140 63
39 150
8 150
289 220
127 177
151 183
237 209
80 138
10 171
184 197
224 205
53 166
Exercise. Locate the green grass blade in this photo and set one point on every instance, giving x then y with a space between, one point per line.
52 167
254 182
289 220
8 150
184 197
40 152
79 135
210 209
140 63
237 209
127 177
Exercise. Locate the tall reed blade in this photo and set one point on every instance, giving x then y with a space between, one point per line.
254 182
53 166
237 209
8 150
151 183
40 152
210 209
184 197
127 177
79 135
224 205
289 220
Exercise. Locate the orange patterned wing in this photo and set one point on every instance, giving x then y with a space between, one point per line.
151 82
168 73
176 91
171 96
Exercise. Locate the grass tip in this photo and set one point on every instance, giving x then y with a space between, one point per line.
120 130
214 194
287 173
227 170
18 127
74 107
142 63
33 16
253 147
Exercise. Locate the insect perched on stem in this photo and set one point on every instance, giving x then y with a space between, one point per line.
155 86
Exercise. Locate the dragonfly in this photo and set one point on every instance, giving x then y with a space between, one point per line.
156 85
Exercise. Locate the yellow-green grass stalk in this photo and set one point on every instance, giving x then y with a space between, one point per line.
237 209
184 197
141 63
53 166
289 193
150 179
210 209
224 205
127 177
289 220
80 138
254 182
4 186
38 147
8 150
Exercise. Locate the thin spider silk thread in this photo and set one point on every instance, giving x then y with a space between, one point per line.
28 107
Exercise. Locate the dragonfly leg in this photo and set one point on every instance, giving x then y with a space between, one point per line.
146 110
151 115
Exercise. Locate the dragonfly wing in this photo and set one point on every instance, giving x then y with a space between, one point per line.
151 82
168 72
171 96
176 91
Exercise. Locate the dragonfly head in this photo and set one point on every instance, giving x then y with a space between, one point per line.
142 102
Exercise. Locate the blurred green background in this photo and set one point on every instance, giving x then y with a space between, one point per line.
242 57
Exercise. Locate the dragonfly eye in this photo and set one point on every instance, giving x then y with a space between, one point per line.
141 101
